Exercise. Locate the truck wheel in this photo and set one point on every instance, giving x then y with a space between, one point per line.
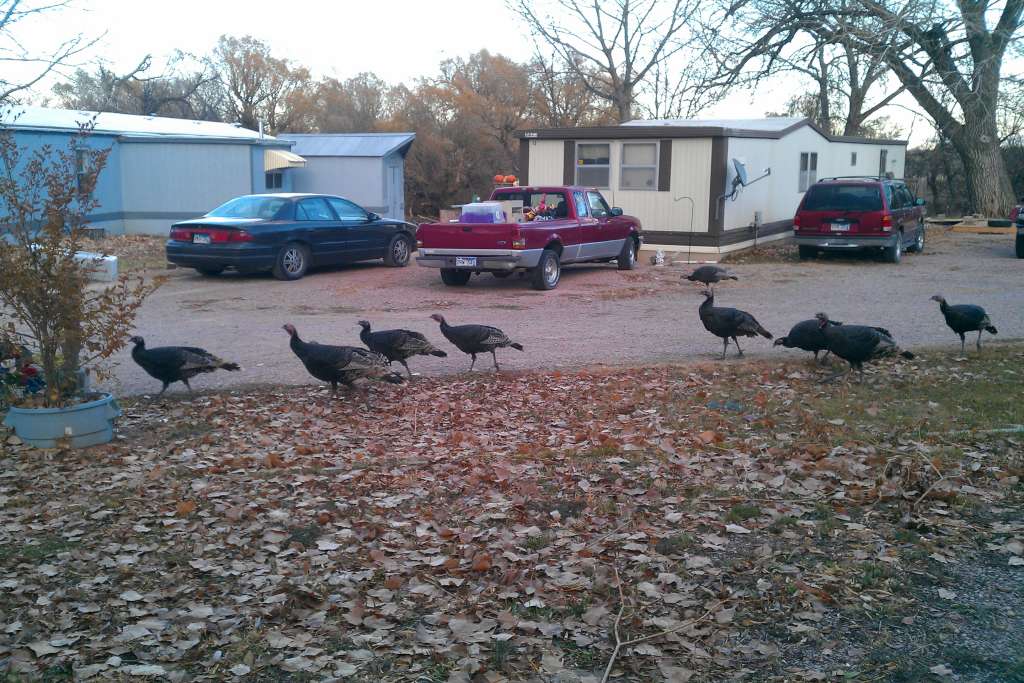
292 262
1020 244
894 254
548 271
807 252
627 257
399 251
454 278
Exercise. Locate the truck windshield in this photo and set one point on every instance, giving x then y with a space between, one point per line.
249 207
837 197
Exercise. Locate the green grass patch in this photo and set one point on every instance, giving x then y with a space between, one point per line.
741 512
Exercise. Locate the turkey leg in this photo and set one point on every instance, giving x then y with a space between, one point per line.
725 345
739 351
979 340
473 363
495 357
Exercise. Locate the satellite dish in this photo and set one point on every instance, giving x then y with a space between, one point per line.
741 171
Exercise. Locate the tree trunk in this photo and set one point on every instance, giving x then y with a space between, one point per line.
987 179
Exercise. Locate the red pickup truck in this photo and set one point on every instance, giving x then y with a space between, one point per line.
561 224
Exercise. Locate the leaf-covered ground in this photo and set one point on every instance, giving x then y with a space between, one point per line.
747 522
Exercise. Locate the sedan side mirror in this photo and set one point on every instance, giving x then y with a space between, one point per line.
919 202
616 211
371 217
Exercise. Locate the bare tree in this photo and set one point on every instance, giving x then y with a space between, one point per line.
560 99
612 47
23 66
261 88
948 57
170 92
844 77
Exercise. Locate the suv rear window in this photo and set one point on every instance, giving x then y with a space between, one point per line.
835 197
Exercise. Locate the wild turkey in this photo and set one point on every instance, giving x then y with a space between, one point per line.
398 344
171 364
729 323
963 318
806 335
345 364
857 344
474 339
709 275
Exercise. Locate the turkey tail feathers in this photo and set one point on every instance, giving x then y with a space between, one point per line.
517 346
763 332
230 366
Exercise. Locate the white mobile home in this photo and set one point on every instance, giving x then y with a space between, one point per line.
678 176
367 168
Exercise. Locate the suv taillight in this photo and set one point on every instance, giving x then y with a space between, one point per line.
796 222
181 235
886 222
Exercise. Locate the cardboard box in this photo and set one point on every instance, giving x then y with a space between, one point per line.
513 209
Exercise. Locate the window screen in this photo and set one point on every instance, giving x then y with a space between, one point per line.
592 164
639 167
808 170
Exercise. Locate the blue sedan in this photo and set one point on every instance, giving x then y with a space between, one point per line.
288 234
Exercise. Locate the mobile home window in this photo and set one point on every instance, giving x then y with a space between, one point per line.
883 157
274 180
853 158
592 164
81 169
639 167
808 170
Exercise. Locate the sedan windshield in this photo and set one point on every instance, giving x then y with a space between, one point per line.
249 207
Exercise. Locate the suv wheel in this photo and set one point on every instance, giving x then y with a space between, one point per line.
894 253
548 271
918 246
807 252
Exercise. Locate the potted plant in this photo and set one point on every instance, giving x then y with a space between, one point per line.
65 325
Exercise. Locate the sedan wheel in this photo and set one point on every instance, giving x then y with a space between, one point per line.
399 251
292 262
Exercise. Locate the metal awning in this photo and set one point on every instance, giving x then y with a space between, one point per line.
274 159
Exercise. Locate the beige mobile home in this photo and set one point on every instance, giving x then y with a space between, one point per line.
679 177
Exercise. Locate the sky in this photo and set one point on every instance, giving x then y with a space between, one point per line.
399 40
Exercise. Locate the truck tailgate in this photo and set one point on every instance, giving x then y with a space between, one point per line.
466 235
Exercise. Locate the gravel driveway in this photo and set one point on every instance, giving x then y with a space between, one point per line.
597 315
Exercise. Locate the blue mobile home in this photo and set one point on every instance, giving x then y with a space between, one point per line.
161 170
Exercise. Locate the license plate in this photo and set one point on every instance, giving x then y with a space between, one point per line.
840 227
463 261
199 238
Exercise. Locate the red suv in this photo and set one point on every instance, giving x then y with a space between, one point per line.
859 213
